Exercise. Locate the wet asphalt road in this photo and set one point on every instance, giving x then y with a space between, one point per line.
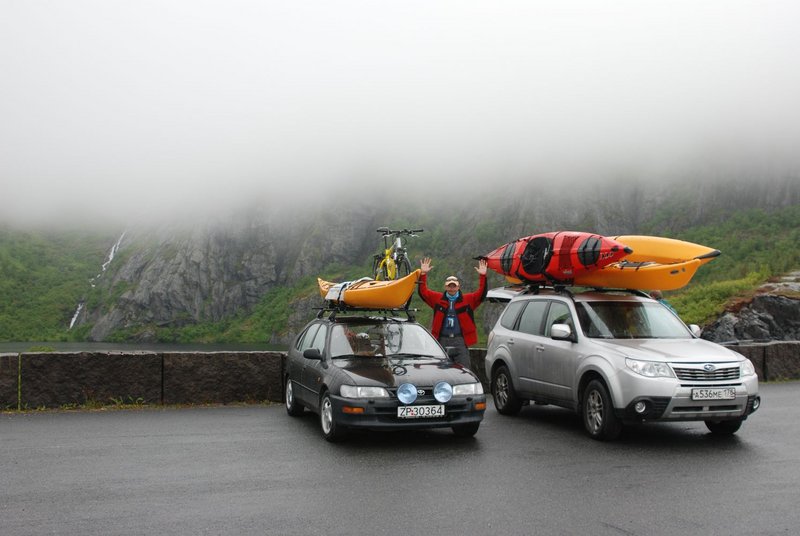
254 470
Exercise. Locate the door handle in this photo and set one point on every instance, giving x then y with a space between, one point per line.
540 348
510 342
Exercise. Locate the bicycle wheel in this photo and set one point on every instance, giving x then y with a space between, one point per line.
403 268
376 267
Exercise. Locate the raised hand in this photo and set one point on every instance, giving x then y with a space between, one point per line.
425 265
481 268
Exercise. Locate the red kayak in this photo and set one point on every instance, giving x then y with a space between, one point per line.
557 257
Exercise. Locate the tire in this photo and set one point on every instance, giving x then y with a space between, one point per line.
506 401
597 411
724 427
403 268
293 407
331 430
466 430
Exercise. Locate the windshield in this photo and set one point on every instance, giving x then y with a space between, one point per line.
630 320
383 339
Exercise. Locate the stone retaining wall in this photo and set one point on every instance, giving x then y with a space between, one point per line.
48 380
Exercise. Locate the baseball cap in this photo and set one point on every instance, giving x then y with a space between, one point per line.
452 280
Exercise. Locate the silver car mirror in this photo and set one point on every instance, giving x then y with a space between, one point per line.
561 332
695 329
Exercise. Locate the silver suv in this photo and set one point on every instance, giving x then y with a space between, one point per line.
616 358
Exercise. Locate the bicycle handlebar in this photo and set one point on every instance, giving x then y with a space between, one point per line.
387 231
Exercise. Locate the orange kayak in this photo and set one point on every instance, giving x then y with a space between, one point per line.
369 293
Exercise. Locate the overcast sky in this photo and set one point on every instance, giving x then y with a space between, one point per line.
110 108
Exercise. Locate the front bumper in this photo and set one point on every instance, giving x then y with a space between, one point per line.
381 414
670 399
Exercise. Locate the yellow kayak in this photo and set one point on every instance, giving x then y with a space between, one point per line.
664 250
371 294
642 276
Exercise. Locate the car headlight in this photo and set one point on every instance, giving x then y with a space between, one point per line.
359 391
468 389
747 368
443 392
650 369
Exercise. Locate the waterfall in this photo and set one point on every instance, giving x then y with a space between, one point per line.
113 252
103 268
75 316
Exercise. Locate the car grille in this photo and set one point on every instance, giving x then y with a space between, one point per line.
698 374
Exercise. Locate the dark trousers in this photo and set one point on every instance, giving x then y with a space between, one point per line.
457 342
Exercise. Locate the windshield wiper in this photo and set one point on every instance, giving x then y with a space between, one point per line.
412 356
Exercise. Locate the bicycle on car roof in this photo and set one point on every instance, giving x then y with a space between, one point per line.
393 263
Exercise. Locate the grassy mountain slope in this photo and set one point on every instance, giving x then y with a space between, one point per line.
43 275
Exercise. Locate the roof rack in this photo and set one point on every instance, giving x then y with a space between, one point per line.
505 294
333 309
633 291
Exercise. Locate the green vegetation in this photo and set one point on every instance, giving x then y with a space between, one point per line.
43 276
755 246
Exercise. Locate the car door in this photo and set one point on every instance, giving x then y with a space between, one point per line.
297 363
555 361
526 343
311 375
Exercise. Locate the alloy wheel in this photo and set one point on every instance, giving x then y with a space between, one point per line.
594 412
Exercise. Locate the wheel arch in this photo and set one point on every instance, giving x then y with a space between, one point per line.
597 367
503 362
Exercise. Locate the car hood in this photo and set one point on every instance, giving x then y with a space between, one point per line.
672 350
391 372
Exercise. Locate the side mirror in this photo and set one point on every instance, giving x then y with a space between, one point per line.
312 353
561 332
696 330
452 351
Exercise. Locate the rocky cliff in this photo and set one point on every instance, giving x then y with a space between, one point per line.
772 314
174 276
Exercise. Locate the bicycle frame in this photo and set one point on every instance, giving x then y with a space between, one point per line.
386 266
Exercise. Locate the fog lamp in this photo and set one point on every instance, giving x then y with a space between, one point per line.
407 393
756 403
640 407
443 392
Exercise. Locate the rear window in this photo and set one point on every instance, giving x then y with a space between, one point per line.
509 317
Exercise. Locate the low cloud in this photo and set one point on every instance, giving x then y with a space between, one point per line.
114 111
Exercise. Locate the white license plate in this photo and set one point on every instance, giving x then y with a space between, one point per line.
721 393
419 412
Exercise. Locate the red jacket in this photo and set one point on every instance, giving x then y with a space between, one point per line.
465 307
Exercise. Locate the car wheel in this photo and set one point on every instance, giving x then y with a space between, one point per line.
598 412
331 430
293 407
466 430
724 427
505 398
